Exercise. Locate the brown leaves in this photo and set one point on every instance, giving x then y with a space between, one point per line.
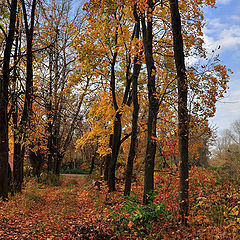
74 212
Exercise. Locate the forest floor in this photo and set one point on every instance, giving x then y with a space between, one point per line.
78 209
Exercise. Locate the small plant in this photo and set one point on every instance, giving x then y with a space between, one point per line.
139 219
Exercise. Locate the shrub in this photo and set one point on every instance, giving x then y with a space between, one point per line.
141 220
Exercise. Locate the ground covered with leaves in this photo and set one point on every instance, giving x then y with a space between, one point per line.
77 208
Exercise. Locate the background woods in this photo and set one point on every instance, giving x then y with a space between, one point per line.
122 90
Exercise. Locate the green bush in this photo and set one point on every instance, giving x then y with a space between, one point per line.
141 220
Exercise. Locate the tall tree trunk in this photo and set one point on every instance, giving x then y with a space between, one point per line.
132 150
50 117
117 126
183 121
4 83
27 109
108 159
14 105
147 30
116 142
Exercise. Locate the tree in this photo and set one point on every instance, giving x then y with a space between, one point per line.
58 97
226 150
4 84
183 119
147 31
111 43
19 146
136 72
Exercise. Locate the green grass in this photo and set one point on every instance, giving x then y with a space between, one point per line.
74 171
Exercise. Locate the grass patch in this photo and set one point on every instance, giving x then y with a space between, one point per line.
74 171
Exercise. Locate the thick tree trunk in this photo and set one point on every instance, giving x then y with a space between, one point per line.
57 163
147 30
18 166
4 83
183 121
116 142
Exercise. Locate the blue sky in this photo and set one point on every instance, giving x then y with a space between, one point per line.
223 28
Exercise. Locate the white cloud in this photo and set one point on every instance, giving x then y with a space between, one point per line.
227 36
214 25
230 38
235 18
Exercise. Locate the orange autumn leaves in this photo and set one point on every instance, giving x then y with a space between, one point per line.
108 29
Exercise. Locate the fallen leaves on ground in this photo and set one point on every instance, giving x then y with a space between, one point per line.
79 210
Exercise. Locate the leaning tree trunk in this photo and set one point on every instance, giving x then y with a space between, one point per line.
4 83
147 30
183 121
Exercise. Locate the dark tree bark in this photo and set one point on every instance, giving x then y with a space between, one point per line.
116 142
50 117
37 161
147 30
93 161
117 125
106 166
183 121
4 84
132 150
107 160
14 104
27 109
